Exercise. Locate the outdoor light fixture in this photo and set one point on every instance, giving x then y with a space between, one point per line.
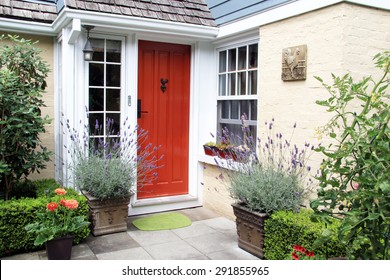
88 50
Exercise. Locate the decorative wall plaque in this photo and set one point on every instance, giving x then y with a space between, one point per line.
294 63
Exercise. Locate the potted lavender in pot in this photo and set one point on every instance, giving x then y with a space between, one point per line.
262 182
108 170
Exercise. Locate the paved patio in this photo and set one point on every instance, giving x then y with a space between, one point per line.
209 237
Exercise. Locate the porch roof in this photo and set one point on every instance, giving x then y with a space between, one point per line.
183 11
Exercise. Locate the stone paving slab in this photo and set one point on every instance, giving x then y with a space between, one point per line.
177 250
137 253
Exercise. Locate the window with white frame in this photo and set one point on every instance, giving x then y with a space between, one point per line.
104 89
237 88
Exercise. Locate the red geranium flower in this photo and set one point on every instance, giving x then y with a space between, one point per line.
52 206
71 204
60 191
295 256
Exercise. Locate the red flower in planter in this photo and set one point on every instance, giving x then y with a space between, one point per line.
71 204
58 220
52 206
60 191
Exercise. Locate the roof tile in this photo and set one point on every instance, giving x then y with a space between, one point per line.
190 11
125 11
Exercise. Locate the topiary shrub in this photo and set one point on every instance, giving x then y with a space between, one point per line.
284 229
15 214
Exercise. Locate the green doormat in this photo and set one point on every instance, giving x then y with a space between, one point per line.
162 221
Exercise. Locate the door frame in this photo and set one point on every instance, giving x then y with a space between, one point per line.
194 196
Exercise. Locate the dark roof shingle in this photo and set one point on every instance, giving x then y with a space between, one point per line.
189 11
185 11
26 10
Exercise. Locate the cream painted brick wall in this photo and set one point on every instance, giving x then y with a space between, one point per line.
341 38
46 45
215 193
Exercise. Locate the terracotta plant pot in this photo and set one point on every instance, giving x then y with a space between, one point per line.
59 248
250 230
109 215
222 153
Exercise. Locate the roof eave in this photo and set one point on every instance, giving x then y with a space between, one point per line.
121 22
24 26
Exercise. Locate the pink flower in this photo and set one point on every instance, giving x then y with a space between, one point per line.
355 186
60 191
71 204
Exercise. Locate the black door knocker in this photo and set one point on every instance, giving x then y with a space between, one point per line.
163 84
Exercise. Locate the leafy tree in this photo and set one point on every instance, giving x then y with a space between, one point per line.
22 82
355 175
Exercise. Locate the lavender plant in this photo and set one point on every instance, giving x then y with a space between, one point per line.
275 177
111 166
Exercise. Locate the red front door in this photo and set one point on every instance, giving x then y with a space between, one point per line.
164 97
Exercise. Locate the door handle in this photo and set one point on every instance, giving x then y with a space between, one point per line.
139 109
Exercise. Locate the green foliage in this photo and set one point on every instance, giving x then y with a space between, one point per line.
266 190
22 82
16 214
108 167
273 177
284 229
57 219
355 177
104 178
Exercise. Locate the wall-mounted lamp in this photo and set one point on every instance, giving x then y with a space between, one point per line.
88 50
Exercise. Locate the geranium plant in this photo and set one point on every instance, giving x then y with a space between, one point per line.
57 219
301 253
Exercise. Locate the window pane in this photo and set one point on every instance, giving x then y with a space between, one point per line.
242 83
113 99
232 84
222 61
113 51
222 85
98 49
96 74
242 58
225 109
113 123
252 75
244 108
253 56
96 124
96 99
235 110
253 115
233 129
232 60
113 75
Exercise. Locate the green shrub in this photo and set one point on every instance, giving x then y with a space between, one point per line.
23 76
354 182
285 228
15 214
